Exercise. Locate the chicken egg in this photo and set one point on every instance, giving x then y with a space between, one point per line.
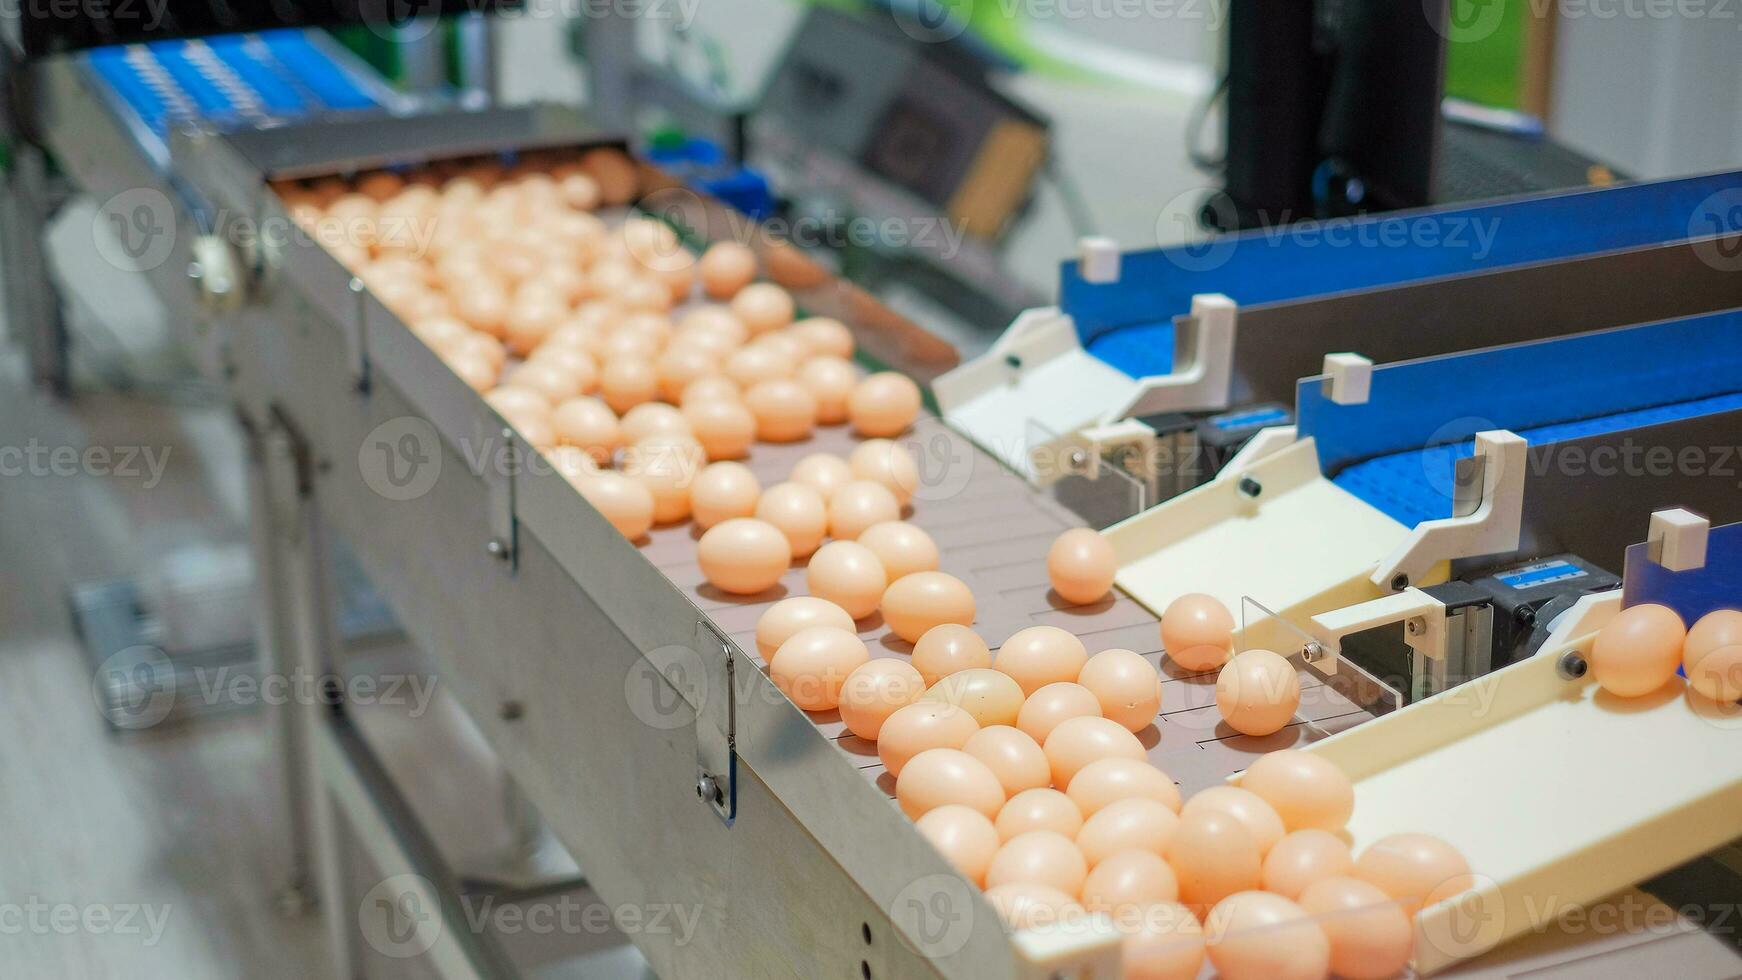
913 604
1134 823
789 615
666 465
750 366
1370 937
726 268
763 307
883 462
577 364
723 491
989 697
921 725
857 506
724 427
941 777
1245 806
624 502
546 378
441 333
710 388
1028 906
876 690
626 383
784 410
1303 858
680 365
884 404
578 191
627 345
1041 655
1039 808
1166 943
848 575
1306 790
1126 685
1214 856
1013 757
482 304
902 548
1107 781
963 836
573 463
1255 935
830 381
1121 885
1197 632
1415 869
653 419
824 336
1712 656
712 318
785 345
614 174
800 514
743 556
1076 742
529 323
824 471
1081 564
474 369
1039 857
813 665
948 649
1052 704
1257 692
1639 650
590 424
512 400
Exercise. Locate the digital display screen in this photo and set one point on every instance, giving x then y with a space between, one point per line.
50 26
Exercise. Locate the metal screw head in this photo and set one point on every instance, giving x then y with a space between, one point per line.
497 547
1572 665
1250 487
1399 582
708 789
1312 652
1416 625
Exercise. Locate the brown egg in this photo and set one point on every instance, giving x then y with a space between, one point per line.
723 491
743 556
1136 823
750 366
680 365
529 323
1214 856
943 777
1197 632
1081 565
726 268
824 336
1017 760
784 410
1109 780
884 404
763 307
922 725
876 690
988 696
626 383
1122 885
848 575
884 462
475 370
710 388
511 400
718 320
615 174
535 430
666 465
913 604
1639 650
824 471
590 424
795 613
482 304
857 506
625 503
653 419
442 333
1245 806
1255 935
1039 857
800 514
1306 790
546 378
1076 742
813 665
1126 685
1038 809
577 364
725 428
1415 869
1712 656
1035 908
1257 692
579 191
902 548
963 836
622 344
1370 937
783 344
1165 943
644 293
830 381
1304 857
1053 703
1041 655
949 649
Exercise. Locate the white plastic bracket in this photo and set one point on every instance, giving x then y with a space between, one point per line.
1492 527
1423 618
1203 367
1264 442
1348 378
1098 260
1677 539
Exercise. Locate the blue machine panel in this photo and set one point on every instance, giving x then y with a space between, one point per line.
1692 593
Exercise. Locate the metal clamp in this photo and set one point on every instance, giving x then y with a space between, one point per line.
499 472
716 723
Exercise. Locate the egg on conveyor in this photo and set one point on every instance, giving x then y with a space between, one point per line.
1257 692
902 548
884 405
784 410
799 512
947 649
1041 655
1054 703
824 471
989 697
830 381
1081 565
1039 808
1013 757
1126 685
723 491
922 725
744 556
849 575
1109 780
913 604
963 836
1255 935
1133 824
786 617
889 464
876 690
726 268
941 777
1197 632
858 505
813 665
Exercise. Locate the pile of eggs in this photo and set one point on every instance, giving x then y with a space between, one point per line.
641 372
1639 652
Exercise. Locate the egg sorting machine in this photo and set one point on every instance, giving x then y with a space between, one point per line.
617 691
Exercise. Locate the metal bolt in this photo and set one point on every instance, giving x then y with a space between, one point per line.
1312 652
1399 582
1250 487
497 547
512 711
708 789
1416 626
1013 360
1572 666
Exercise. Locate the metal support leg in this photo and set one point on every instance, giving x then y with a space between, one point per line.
33 306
